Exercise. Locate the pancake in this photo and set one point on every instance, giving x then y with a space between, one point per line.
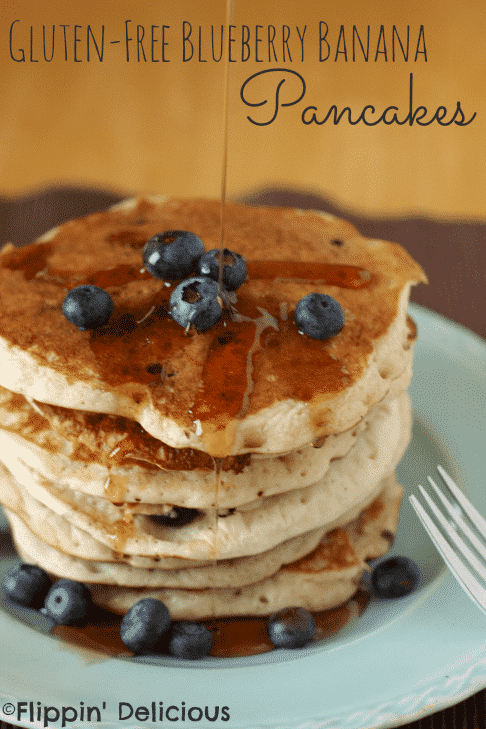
114 458
349 484
56 531
228 573
277 390
325 578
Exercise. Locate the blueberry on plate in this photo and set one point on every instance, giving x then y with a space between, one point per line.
292 627
173 254
144 624
395 577
27 584
234 267
178 516
196 302
68 602
190 640
319 316
88 307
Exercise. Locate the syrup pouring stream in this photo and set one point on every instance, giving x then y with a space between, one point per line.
224 171
224 168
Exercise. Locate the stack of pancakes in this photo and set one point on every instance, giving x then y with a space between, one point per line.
232 472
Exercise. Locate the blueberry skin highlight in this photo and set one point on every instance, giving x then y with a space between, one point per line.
234 267
190 640
144 624
172 255
68 602
27 585
319 316
395 577
88 307
196 302
292 627
179 516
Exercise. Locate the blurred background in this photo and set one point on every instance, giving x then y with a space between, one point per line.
144 120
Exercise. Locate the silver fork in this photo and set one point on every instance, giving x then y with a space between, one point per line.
461 560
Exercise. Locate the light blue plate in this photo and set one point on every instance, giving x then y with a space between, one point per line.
400 661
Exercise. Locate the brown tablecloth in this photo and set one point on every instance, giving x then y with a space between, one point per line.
452 253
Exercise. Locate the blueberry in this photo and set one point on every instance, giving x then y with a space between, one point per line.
234 267
319 316
88 307
190 640
395 577
178 516
144 624
196 301
291 627
67 602
27 584
173 254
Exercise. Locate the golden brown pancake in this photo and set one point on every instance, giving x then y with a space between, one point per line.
252 383
112 457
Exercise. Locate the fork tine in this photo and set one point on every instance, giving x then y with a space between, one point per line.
468 508
481 548
454 536
476 591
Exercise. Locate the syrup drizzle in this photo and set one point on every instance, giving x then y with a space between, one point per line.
330 274
224 175
224 170
217 483
262 323
232 637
